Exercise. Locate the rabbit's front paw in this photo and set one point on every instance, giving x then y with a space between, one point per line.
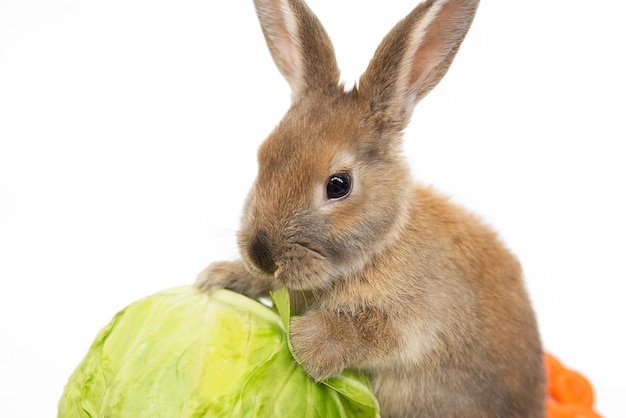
234 275
321 344
218 275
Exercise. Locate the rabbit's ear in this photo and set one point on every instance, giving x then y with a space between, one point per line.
299 45
415 55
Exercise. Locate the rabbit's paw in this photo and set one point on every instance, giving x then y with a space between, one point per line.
219 275
321 343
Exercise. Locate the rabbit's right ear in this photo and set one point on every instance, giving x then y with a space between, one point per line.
299 45
415 55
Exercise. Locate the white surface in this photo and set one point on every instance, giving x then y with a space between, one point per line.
128 136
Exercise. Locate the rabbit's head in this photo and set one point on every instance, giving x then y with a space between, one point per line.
332 188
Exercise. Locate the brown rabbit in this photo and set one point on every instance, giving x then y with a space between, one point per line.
388 277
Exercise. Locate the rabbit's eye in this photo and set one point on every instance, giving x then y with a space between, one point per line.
338 186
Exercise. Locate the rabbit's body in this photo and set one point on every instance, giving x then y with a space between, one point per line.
388 277
458 336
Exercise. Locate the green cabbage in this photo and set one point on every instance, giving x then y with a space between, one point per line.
185 353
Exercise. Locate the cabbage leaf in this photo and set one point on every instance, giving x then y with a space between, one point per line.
186 353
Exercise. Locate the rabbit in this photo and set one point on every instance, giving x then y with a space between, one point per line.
387 277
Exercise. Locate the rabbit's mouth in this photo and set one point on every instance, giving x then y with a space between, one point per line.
304 279
303 266
315 252
293 260
298 266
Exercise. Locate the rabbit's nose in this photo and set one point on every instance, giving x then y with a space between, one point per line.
261 254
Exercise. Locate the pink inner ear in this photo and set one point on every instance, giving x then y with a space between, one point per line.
289 61
434 39
281 28
288 41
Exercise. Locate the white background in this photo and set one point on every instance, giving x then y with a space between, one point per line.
128 136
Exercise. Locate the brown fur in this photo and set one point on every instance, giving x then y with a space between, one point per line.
393 279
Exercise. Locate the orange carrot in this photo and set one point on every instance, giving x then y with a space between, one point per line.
579 411
553 368
568 393
573 387
558 410
555 409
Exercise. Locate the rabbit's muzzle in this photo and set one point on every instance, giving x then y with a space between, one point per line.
260 253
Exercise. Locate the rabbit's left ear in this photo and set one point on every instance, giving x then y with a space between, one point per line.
299 45
415 55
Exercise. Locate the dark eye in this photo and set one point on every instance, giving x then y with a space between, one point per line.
338 186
